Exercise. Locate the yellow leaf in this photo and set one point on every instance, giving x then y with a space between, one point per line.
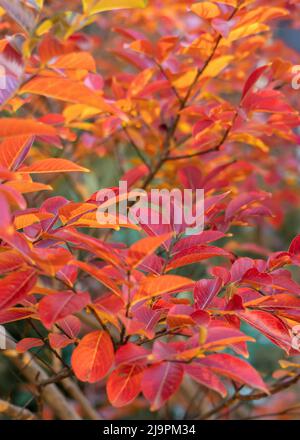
93 7
140 82
186 79
207 10
251 140
201 46
23 220
44 28
262 14
202 334
286 364
72 210
217 65
246 31
79 112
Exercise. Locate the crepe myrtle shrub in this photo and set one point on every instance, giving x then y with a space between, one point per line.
115 319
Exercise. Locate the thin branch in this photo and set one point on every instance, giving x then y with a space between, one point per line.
162 70
15 412
137 150
172 129
293 410
56 378
277 388
35 374
75 392
201 153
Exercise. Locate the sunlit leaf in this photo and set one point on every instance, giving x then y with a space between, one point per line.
95 6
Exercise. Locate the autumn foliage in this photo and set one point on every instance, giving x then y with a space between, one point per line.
125 320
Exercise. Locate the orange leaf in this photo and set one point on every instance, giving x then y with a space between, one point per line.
124 385
155 286
207 10
75 60
93 357
52 166
25 187
21 127
23 220
99 275
66 90
145 247
12 149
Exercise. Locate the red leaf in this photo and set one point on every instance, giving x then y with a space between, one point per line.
10 261
269 101
219 336
180 315
206 377
59 341
15 287
205 291
160 382
14 314
196 254
294 248
252 79
197 240
271 326
241 202
93 357
235 368
131 353
70 325
55 307
28 343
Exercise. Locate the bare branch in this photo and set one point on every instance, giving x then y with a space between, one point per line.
15 412
35 374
